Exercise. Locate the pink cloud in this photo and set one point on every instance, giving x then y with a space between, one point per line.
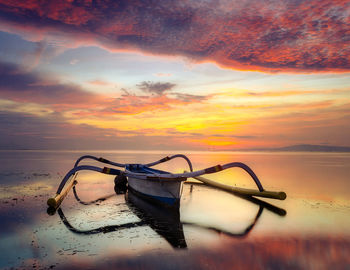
298 36
98 82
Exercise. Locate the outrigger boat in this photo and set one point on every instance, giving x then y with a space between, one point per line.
156 185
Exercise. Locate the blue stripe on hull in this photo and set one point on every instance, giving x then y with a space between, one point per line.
166 200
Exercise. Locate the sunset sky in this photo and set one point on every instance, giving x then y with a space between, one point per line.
176 75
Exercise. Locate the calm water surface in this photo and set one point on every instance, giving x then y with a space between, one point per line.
212 230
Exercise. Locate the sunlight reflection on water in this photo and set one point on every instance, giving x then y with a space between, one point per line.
317 208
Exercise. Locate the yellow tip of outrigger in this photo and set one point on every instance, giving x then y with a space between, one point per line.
56 201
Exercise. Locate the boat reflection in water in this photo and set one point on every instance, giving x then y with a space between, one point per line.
163 220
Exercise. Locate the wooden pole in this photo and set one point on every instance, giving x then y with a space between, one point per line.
280 195
56 201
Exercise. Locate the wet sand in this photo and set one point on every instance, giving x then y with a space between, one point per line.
212 229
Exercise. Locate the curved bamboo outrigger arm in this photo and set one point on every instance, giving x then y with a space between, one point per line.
122 165
167 158
68 182
103 160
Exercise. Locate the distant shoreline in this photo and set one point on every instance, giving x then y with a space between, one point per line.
308 148
288 149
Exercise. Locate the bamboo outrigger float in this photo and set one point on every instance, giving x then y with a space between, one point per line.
159 186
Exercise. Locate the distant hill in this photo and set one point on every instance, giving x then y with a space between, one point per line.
311 148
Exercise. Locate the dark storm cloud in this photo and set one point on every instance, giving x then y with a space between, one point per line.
162 98
249 34
157 88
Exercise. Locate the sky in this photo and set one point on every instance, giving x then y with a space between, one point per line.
174 75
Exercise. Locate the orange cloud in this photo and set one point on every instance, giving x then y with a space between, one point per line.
24 86
287 93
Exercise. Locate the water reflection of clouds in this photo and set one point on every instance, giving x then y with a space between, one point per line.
319 223
22 205
262 253
217 209
13 217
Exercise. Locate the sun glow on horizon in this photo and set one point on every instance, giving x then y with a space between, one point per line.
216 92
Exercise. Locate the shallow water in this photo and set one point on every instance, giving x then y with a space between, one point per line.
213 229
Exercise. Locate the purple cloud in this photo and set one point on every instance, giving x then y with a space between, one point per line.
300 36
